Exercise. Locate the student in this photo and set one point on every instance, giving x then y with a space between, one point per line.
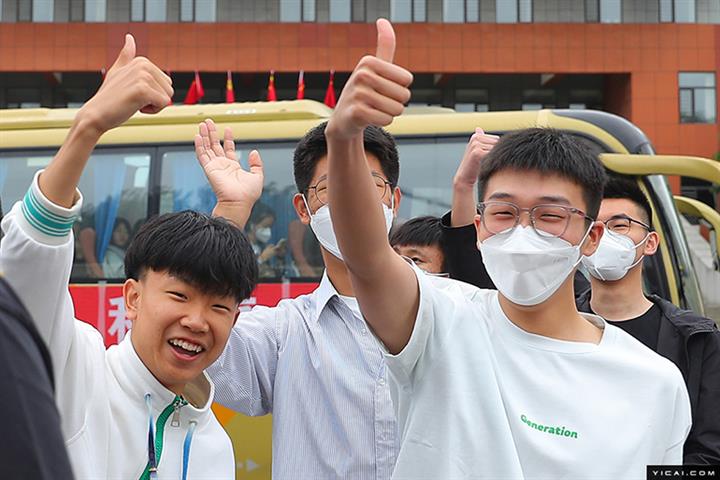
419 240
690 341
140 409
508 384
312 361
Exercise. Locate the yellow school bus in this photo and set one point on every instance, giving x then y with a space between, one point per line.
147 166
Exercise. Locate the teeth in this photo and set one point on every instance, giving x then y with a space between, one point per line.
190 347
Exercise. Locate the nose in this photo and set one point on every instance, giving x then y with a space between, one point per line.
195 322
524 217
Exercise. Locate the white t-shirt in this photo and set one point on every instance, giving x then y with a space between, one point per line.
477 397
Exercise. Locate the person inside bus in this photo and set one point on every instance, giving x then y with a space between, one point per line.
690 341
114 261
555 393
312 361
305 250
419 240
271 257
140 409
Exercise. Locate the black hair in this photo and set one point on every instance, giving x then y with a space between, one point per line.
627 188
422 231
548 151
259 212
313 146
211 254
122 221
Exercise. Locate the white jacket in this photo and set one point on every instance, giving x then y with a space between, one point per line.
102 394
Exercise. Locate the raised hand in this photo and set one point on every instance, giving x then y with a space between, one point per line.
236 189
466 176
376 91
132 84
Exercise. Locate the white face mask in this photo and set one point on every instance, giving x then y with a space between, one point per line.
321 225
614 257
526 267
263 234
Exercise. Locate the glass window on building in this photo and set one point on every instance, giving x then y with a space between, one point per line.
308 10
137 10
205 10
681 11
592 11
186 11
95 10
697 97
42 10
610 11
156 11
340 11
513 11
290 10
403 11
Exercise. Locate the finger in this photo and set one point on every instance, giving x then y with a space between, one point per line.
255 163
205 136
479 131
126 54
214 139
200 151
389 89
155 97
162 78
394 73
385 40
229 144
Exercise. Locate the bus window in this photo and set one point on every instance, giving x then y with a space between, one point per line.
17 170
115 197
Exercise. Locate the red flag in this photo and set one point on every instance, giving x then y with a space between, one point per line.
195 92
271 94
330 100
229 92
301 86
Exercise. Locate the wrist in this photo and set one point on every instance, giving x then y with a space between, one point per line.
233 211
464 185
87 125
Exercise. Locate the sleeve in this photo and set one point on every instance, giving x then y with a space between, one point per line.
36 258
463 260
244 375
32 421
681 422
703 443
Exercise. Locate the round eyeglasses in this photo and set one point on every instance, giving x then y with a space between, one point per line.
622 224
321 192
546 220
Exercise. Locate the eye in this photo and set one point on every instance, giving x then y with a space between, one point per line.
417 260
222 308
177 295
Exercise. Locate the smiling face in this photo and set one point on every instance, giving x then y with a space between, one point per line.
178 331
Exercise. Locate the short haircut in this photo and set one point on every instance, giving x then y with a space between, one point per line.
627 188
547 151
208 253
421 231
313 146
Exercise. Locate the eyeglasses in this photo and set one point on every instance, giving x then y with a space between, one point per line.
546 220
321 193
622 224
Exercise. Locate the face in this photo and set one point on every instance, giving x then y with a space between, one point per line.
177 331
321 170
527 189
611 208
120 235
427 257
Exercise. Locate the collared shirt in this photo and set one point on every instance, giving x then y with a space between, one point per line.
320 371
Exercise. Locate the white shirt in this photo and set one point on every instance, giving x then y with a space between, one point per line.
316 366
478 397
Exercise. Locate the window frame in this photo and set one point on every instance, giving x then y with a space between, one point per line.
692 91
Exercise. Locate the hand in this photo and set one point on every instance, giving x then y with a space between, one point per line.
477 148
236 189
132 84
376 91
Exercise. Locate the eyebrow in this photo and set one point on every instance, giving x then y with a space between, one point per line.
546 198
372 172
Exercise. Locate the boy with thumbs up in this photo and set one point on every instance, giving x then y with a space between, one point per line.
140 409
513 383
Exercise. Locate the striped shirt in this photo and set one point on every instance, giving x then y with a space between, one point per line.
320 371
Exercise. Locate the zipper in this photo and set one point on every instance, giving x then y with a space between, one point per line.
174 408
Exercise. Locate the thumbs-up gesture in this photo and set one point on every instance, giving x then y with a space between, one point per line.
132 84
376 91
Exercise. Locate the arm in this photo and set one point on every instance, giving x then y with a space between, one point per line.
462 257
464 206
236 190
384 284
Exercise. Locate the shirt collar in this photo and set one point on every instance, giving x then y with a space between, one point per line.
323 294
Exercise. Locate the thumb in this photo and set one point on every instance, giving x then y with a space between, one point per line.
385 40
255 163
126 54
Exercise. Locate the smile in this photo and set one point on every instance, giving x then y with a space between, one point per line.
186 347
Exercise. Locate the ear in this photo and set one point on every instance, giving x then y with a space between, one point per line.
301 208
480 231
593 239
131 294
397 194
651 244
237 315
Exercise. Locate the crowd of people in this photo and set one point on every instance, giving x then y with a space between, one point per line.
516 366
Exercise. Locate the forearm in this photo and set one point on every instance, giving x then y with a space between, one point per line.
355 208
236 213
60 179
463 204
